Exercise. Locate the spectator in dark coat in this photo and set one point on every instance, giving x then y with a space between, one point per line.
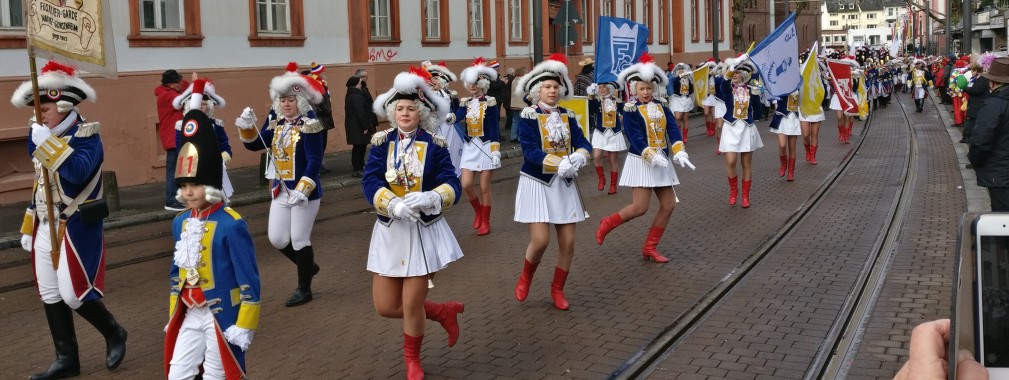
978 92
989 139
359 122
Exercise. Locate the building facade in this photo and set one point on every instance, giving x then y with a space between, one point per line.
760 20
853 23
242 44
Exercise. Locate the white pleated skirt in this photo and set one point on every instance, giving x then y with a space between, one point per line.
813 119
740 137
454 143
608 140
835 103
400 249
638 173
789 125
556 203
678 103
709 101
720 109
476 156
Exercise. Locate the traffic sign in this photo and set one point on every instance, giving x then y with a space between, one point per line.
568 14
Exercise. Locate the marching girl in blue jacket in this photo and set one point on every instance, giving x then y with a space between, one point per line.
293 136
554 148
655 145
213 304
740 136
787 125
481 154
410 181
681 100
607 132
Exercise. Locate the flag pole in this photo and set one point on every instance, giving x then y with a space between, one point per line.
53 239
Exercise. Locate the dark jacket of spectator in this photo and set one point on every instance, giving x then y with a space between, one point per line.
989 141
978 93
359 121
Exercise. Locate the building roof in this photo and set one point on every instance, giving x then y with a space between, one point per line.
835 6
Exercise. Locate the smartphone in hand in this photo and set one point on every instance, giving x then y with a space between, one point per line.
992 290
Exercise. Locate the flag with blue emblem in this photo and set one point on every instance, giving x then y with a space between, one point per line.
620 43
777 59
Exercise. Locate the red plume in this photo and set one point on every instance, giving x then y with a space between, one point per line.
442 63
292 67
55 66
478 61
559 57
646 58
420 72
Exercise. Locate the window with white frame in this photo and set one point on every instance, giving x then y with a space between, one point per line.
381 28
871 16
852 17
889 11
515 19
273 16
11 14
432 19
871 26
476 20
155 15
628 9
663 28
645 17
851 6
844 38
605 8
833 22
586 13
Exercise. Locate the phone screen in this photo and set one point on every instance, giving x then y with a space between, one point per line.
993 276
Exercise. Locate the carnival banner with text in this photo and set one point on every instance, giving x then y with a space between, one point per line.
777 59
840 73
76 31
620 43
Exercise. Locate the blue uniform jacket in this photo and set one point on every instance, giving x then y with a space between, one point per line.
645 141
438 174
75 160
483 129
600 121
724 87
541 157
676 86
303 173
228 273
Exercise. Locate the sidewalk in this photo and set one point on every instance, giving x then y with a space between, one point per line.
977 196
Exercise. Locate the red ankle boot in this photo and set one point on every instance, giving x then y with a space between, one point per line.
784 165
484 221
602 178
807 151
446 315
606 225
711 128
613 183
812 154
476 210
649 251
746 193
411 356
840 133
733 189
718 142
684 134
791 169
522 287
557 289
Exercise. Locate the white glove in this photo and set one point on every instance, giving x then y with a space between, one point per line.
660 161
683 160
592 89
400 210
247 120
495 159
578 160
26 242
40 133
566 169
296 198
427 201
450 118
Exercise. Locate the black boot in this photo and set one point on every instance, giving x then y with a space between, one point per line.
306 270
94 312
61 326
290 254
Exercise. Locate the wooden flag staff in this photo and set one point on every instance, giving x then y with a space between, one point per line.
54 253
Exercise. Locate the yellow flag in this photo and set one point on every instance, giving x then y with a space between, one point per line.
863 101
579 105
700 85
812 91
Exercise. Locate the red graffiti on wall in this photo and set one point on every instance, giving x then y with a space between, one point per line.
384 55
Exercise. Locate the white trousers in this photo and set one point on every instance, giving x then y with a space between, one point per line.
54 285
196 345
291 224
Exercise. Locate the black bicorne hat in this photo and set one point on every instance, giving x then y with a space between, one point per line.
199 159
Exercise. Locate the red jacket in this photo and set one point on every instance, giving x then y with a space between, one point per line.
167 115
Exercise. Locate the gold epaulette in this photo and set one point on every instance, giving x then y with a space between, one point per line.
380 136
491 101
87 129
311 126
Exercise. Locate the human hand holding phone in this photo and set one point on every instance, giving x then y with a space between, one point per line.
928 355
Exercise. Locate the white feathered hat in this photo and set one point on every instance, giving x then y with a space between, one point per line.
413 85
293 83
477 71
555 67
645 70
57 84
439 70
209 94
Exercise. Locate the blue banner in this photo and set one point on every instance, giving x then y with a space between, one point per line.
777 59
619 44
